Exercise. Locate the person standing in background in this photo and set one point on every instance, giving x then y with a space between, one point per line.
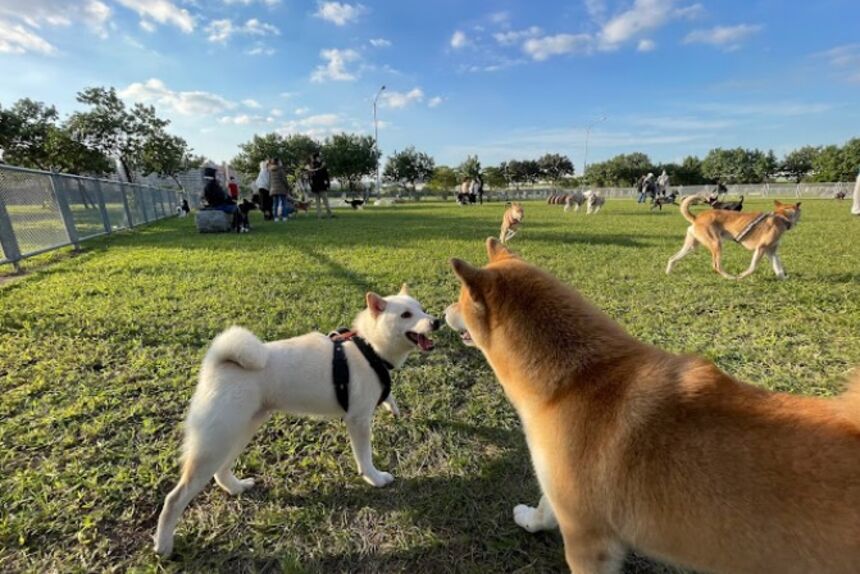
262 186
279 190
320 183
233 189
855 208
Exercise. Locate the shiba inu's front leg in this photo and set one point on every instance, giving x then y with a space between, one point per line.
536 519
359 435
777 265
592 551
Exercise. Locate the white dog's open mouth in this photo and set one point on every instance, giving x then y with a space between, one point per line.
423 342
466 337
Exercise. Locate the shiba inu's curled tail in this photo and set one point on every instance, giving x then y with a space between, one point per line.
685 207
239 346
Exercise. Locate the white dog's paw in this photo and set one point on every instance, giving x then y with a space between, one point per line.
525 517
378 479
244 484
163 548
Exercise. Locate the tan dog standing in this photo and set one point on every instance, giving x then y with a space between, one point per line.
634 447
758 232
511 221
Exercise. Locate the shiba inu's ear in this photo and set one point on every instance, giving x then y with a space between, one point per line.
496 251
469 276
797 205
777 203
375 303
404 290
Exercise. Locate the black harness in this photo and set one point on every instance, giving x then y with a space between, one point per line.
340 367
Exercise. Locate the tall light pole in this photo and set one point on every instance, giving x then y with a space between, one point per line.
587 135
376 139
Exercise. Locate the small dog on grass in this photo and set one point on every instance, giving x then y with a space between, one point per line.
243 380
242 223
574 200
638 448
183 209
758 232
715 203
593 201
661 200
511 221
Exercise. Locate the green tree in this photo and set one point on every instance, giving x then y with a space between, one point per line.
294 151
66 154
409 167
495 177
444 180
800 162
24 132
555 167
112 129
827 165
470 168
350 157
164 154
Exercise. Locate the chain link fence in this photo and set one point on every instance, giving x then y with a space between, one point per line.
781 189
41 211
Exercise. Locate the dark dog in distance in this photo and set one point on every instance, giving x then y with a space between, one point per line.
715 203
662 200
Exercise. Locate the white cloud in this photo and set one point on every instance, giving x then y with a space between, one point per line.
778 108
435 102
251 103
339 14
691 12
147 26
379 42
846 59
219 31
161 11
23 20
542 48
244 119
276 112
515 36
459 40
643 16
595 8
192 103
260 51
646 45
500 17
15 39
317 126
336 67
724 36
249 2
301 111
395 99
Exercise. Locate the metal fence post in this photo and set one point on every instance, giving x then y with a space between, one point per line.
141 200
125 204
102 206
8 241
59 189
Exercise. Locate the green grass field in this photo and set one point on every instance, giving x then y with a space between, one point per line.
99 355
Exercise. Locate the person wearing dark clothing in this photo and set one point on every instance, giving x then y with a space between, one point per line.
320 183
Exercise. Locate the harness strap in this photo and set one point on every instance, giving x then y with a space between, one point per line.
340 366
746 230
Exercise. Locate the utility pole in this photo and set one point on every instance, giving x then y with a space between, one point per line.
376 141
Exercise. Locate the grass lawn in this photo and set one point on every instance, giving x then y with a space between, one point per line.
99 355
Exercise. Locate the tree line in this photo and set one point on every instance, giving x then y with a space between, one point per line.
92 141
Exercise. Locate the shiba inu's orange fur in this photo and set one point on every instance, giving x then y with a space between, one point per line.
635 447
711 227
511 221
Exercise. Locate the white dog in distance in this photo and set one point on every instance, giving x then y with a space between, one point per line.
243 380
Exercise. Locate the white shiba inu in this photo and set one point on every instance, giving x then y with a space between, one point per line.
243 380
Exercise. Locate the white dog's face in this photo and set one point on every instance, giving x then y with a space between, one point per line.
401 321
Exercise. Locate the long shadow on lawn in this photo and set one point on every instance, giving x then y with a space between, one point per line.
469 518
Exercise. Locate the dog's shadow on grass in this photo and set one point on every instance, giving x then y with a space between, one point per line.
467 518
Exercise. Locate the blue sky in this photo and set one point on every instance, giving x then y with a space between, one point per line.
507 79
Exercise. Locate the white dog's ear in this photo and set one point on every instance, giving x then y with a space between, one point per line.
375 303
404 290
496 251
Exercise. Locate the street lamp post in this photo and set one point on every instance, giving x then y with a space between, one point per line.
376 140
587 135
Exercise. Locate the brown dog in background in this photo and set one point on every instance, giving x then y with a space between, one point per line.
638 448
511 221
758 232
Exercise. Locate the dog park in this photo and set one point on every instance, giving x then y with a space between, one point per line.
329 286
101 351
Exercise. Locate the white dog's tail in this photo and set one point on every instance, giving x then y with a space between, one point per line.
239 346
